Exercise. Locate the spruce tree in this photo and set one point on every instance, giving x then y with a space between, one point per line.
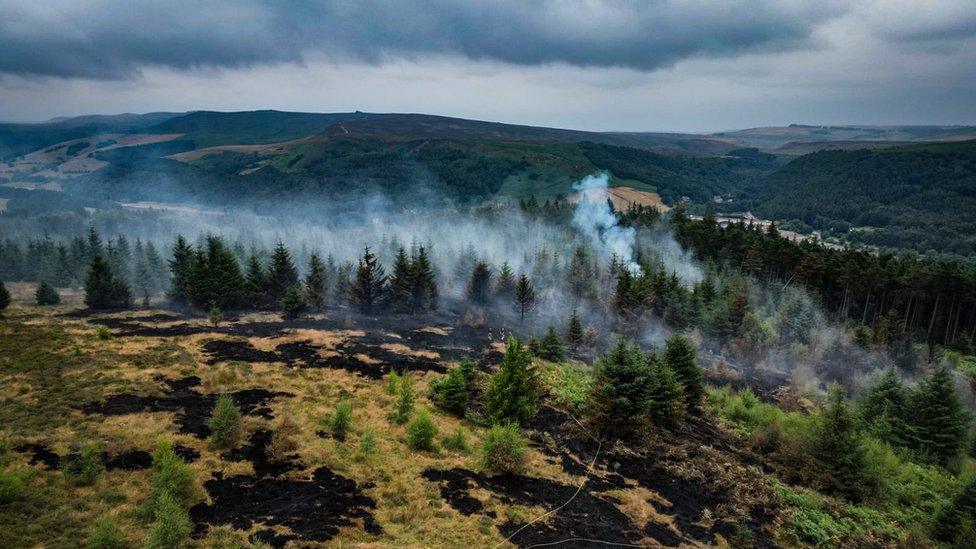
524 296
45 295
402 283
681 357
225 282
938 422
479 288
621 391
255 280
883 408
505 284
102 289
575 334
181 267
4 298
424 282
292 304
954 524
282 273
513 393
315 283
837 448
582 275
368 291
551 346
665 401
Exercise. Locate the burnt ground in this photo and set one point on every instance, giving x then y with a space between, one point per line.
310 509
304 354
133 460
593 513
191 407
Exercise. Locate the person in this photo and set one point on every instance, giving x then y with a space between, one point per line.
490 337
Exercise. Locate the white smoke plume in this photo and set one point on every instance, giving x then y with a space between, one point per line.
595 219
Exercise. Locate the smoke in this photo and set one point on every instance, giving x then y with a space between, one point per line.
597 221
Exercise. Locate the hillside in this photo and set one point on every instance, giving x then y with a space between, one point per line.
921 197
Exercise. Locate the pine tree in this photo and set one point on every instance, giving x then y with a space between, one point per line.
681 357
282 273
180 266
524 296
665 389
315 283
368 291
621 391
883 407
224 281
938 421
551 346
102 289
582 275
479 288
255 279
402 283
513 393
292 304
505 284
838 450
575 334
4 298
424 282
952 522
45 295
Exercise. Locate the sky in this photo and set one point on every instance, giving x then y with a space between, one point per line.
641 65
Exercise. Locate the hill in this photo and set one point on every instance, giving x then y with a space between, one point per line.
921 197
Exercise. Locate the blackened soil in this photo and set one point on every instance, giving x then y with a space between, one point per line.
312 510
192 408
224 349
133 460
303 354
256 451
588 516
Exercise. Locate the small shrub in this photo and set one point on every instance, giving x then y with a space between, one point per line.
292 304
170 476
105 534
11 487
457 441
452 391
46 295
340 420
283 439
421 432
503 450
225 423
392 383
83 467
403 407
172 526
216 315
102 333
367 444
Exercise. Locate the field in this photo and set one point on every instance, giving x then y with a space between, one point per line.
119 381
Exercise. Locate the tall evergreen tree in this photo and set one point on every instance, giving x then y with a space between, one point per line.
180 266
839 451
551 346
666 393
255 278
681 357
938 422
883 408
103 290
4 298
524 296
315 282
621 390
282 273
424 282
479 288
402 283
505 283
369 289
574 333
582 275
954 524
513 392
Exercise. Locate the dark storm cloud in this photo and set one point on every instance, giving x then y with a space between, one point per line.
111 39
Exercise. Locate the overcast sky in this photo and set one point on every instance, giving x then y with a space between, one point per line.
685 65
